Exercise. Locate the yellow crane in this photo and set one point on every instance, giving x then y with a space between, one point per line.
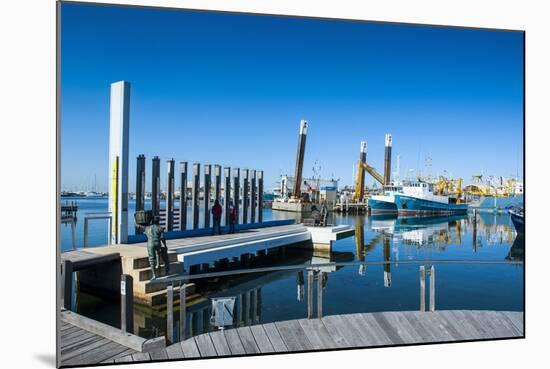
359 190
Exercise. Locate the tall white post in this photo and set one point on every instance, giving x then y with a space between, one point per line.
118 160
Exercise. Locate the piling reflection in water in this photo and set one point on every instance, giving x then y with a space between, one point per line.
281 295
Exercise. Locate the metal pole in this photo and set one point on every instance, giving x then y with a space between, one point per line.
310 294
227 193
236 189
171 167
196 188
207 184
155 186
126 303
140 187
253 197
183 297
245 196
170 313
363 159
260 196
422 288
432 288
183 195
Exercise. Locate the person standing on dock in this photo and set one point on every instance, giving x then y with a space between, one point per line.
232 218
156 246
217 216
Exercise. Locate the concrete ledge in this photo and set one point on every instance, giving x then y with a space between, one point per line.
125 339
235 241
325 235
137 238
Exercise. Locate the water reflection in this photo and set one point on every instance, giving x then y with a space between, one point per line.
281 295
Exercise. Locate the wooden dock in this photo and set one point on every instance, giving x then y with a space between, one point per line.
81 347
343 331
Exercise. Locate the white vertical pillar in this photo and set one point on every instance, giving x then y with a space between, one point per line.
118 160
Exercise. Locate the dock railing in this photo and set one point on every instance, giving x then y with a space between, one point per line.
316 280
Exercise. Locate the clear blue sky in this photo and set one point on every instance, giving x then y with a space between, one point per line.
230 89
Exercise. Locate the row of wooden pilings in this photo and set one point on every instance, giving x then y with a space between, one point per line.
250 204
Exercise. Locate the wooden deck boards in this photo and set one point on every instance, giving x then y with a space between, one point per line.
330 332
80 347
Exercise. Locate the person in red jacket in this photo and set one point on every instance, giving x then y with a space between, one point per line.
217 215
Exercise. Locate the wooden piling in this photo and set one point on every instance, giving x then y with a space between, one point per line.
206 199
260 195
245 195
422 288
310 294
183 195
68 285
171 167
227 192
320 294
170 313
155 186
236 189
432 288
253 196
195 200
126 303
183 297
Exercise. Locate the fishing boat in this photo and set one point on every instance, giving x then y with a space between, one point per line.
419 198
384 203
517 216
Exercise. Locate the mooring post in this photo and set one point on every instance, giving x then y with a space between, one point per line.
422 288
245 195
170 313
126 303
253 196
320 276
217 181
196 189
140 187
432 288
207 184
258 304
85 243
183 195
183 297
171 167
236 189
227 192
310 294
68 284
155 186
260 196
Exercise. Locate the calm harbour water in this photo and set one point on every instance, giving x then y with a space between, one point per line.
275 296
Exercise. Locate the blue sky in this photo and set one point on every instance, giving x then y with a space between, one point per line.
230 89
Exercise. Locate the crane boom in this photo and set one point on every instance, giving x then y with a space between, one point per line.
362 166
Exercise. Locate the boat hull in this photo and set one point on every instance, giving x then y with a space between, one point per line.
382 207
417 206
519 223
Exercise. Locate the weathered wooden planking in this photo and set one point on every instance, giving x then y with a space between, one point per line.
234 342
317 334
189 348
220 343
293 335
388 328
174 351
350 330
403 328
261 338
378 333
205 345
141 356
247 339
275 337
